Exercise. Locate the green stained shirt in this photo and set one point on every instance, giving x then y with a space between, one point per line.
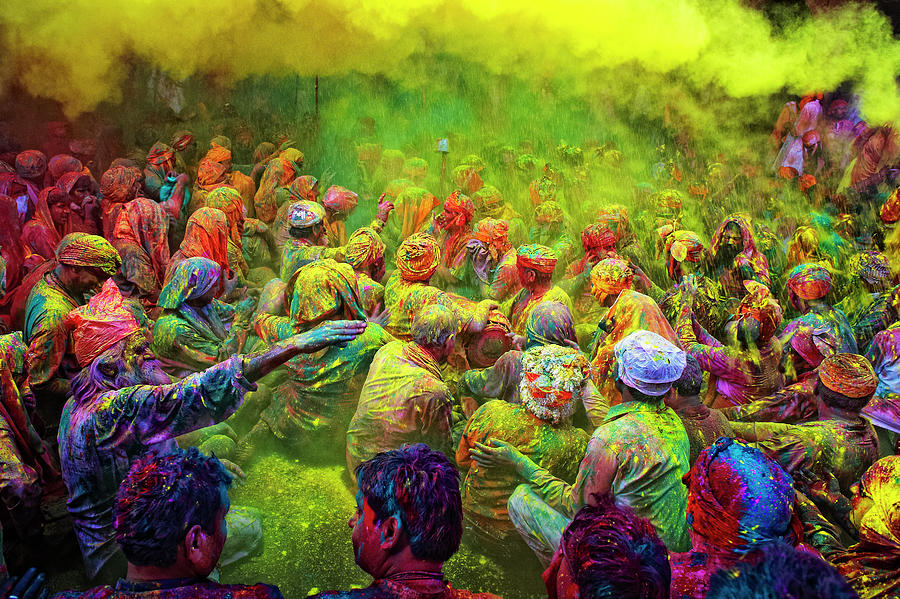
197 338
404 400
557 448
843 449
322 389
299 252
639 454
48 356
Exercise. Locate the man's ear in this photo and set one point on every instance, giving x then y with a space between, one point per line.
193 539
391 531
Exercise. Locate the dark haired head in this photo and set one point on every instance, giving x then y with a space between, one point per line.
635 394
691 378
420 487
782 572
833 399
614 554
162 498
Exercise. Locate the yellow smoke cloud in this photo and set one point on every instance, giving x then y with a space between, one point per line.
78 51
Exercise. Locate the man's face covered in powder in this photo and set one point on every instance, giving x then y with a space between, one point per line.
141 363
732 243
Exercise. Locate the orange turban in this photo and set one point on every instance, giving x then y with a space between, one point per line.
848 374
210 172
117 183
460 205
536 257
218 153
418 257
363 248
493 232
809 281
610 277
160 154
100 324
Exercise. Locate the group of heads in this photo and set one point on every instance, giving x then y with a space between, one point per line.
170 511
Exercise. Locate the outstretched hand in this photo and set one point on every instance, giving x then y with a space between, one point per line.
335 332
384 208
495 454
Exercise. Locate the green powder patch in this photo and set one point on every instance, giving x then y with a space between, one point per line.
306 539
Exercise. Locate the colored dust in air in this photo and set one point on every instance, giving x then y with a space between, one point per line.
306 539
649 94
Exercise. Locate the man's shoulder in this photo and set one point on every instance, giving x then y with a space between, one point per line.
637 424
52 301
390 349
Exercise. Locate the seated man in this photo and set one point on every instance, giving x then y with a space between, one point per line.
608 552
409 290
746 368
535 264
452 230
796 401
308 235
365 253
492 260
735 258
836 449
629 311
307 242
312 406
807 285
541 428
599 243
169 516
123 405
739 501
404 398
85 261
408 522
639 454
867 305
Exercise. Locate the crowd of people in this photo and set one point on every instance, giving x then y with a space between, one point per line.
647 414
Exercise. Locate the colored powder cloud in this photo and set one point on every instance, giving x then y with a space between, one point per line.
80 51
